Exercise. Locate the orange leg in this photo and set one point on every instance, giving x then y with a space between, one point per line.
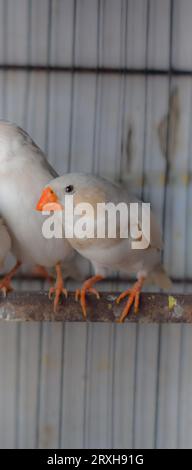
134 294
42 272
87 287
59 288
5 286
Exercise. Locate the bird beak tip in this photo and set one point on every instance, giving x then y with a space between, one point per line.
48 201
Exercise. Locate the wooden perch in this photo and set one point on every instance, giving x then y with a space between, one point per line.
154 308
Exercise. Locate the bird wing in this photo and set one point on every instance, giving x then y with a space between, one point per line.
119 194
27 140
49 167
155 240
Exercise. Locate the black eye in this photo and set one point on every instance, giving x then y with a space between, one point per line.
69 189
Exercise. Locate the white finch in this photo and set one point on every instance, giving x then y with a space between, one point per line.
24 171
107 253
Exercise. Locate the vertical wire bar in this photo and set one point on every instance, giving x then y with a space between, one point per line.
180 380
114 331
94 169
111 377
61 387
17 387
166 181
17 352
100 48
40 350
5 14
87 374
97 100
41 325
28 60
49 29
5 29
145 104
157 385
167 168
19 333
142 192
124 78
134 386
72 85
114 341
85 382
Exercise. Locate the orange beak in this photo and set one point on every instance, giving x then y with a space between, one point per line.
48 201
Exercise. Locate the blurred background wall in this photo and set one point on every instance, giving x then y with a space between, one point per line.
103 86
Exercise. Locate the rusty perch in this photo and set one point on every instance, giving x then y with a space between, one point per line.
154 308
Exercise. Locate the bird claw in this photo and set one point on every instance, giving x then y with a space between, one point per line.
94 291
57 291
134 295
81 294
5 287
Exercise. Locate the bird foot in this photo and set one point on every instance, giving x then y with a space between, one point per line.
87 288
58 291
134 296
5 286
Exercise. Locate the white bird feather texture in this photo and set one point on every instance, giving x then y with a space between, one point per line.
107 253
24 171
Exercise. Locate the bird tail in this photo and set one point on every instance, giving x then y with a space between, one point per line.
161 278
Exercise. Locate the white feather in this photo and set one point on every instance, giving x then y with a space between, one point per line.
115 254
24 171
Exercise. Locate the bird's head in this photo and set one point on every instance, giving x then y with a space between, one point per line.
84 189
